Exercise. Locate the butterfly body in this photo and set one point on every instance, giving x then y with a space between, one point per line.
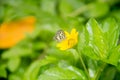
60 36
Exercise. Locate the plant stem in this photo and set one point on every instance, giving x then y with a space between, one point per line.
79 10
98 73
83 64
86 71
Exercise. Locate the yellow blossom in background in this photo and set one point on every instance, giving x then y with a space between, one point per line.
70 41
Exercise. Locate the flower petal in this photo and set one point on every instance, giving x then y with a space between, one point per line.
67 34
70 41
73 31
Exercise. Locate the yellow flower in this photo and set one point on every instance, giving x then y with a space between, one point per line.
70 41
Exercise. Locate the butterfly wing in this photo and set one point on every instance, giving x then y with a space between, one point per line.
60 35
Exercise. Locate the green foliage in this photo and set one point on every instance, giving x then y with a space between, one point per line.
95 57
33 70
95 9
62 73
95 41
99 45
3 72
109 71
13 64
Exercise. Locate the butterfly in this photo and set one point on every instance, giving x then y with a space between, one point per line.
59 36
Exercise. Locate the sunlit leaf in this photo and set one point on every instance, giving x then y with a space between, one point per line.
113 57
57 73
110 28
92 67
33 70
96 46
13 64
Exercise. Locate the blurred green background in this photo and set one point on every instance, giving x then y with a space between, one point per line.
50 16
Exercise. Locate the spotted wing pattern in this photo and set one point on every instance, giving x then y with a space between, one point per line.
60 35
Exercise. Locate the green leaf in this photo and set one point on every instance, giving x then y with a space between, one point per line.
14 77
111 31
2 13
33 70
81 39
71 53
49 6
66 7
39 45
92 67
13 64
108 74
16 52
113 57
99 44
74 54
19 73
117 76
58 73
96 46
95 9
3 72
118 67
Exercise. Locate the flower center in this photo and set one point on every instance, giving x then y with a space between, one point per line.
71 42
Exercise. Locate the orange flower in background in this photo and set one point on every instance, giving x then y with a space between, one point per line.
13 32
